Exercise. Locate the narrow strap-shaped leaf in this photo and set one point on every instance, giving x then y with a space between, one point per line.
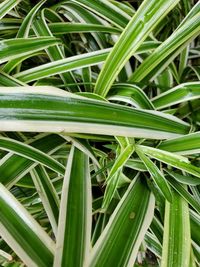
184 193
71 63
107 10
156 175
22 233
49 109
13 167
54 52
186 145
64 27
172 159
181 93
195 10
74 228
119 242
63 65
195 225
114 175
83 15
136 164
126 149
131 94
26 24
184 179
6 6
12 64
153 244
121 160
14 48
196 251
47 194
7 80
176 243
110 191
84 146
10 23
143 22
180 38
157 228
30 152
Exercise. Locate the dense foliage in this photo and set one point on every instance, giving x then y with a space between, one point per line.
100 133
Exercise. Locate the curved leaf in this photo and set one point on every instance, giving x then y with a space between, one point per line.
23 233
14 48
55 110
143 22
125 229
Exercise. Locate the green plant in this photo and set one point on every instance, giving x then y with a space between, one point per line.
100 141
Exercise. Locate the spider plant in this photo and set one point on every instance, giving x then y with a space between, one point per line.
100 133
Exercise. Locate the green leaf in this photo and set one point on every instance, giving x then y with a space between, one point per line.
184 193
143 22
131 94
63 28
14 48
69 64
55 53
22 233
15 63
26 24
179 94
47 194
120 241
6 6
195 224
5 255
136 164
153 244
171 159
13 167
156 175
114 175
179 39
121 160
176 243
74 228
51 109
184 179
6 80
107 10
186 145
63 65
31 153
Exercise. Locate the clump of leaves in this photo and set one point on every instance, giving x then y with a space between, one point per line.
100 140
